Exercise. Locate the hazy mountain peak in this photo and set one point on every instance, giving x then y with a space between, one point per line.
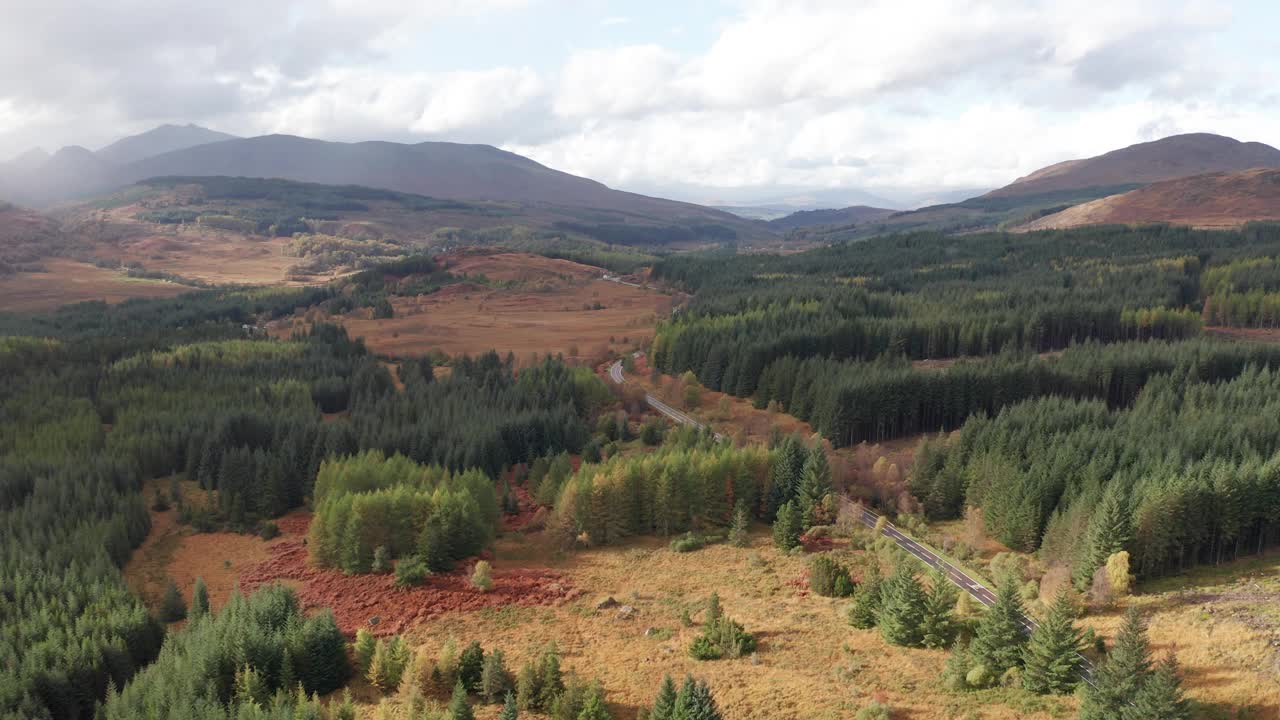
160 140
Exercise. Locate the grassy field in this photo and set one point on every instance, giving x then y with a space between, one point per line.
67 281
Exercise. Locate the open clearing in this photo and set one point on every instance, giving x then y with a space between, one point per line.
67 281
520 303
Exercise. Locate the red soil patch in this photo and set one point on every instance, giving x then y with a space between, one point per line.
355 599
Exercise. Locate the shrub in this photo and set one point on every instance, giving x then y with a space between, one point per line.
160 503
482 576
412 571
829 578
268 530
722 638
874 711
979 677
688 543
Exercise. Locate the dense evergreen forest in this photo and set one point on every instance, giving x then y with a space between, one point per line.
1092 417
95 399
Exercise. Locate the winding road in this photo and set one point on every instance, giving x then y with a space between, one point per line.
921 552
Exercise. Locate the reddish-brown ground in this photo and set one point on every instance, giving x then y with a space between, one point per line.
67 281
1215 200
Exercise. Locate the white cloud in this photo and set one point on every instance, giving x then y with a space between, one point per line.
875 94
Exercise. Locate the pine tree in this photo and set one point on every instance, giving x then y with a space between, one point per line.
459 704
902 608
199 600
509 709
938 626
864 612
787 527
1052 655
664 705
172 606
998 642
1118 679
1161 695
528 687
495 681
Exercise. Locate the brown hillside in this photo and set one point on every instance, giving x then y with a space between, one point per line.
1173 157
1212 200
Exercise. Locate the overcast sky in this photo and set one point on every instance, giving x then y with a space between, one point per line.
705 99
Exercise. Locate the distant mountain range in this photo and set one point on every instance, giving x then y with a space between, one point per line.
435 169
539 196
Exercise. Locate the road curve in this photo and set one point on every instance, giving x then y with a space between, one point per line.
921 552
615 374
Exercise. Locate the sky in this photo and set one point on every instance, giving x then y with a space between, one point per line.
716 101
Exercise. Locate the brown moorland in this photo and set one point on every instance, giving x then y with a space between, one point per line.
533 304
1215 200
64 281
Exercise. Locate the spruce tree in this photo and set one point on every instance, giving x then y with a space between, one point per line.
938 625
495 681
1108 531
471 667
738 536
593 707
902 608
172 607
1160 697
510 711
695 702
199 600
323 665
787 527
998 642
664 705
815 483
864 612
1117 680
459 704
1052 656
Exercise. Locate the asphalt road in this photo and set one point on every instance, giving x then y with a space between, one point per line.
957 577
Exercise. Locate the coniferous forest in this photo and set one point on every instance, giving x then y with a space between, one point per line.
1092 415
96 399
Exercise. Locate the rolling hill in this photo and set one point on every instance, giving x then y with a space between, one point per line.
844 216
1172 157
1212 200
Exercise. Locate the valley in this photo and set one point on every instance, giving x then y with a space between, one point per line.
322 446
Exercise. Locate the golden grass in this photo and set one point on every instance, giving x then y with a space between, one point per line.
810 664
